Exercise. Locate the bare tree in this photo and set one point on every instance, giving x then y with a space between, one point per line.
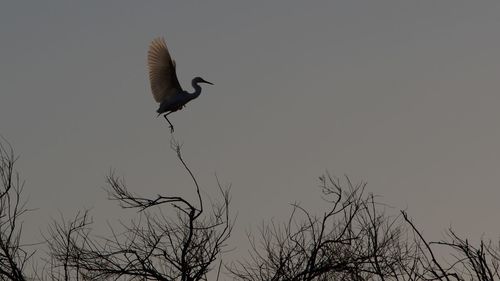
157 247
454 258
352 240
13 255
179 239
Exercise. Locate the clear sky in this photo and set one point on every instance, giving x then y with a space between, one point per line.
401 94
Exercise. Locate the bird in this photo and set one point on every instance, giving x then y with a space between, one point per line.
164 83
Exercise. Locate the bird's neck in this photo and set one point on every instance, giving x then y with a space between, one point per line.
197 90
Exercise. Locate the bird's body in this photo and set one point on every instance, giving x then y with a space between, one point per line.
173 104
164 83
179 99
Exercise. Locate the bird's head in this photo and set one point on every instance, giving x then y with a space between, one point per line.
200 80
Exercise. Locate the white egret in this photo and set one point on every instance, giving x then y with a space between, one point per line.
164 83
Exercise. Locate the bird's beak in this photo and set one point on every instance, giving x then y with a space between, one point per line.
204 81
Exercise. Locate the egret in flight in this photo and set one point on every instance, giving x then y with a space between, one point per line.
164 83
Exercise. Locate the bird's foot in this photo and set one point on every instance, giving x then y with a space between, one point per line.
171 129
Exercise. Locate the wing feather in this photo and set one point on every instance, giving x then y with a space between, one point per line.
162 74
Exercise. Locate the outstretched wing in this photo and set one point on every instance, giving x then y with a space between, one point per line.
162 74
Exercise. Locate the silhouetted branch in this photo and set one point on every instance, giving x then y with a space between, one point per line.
352 240
183 247
469 262
64 240
13 257
176 146
438 273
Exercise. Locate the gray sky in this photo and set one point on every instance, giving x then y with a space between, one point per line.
401 94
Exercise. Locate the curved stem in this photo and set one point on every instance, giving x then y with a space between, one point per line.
177 148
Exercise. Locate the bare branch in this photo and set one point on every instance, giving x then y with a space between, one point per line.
13 256
180 247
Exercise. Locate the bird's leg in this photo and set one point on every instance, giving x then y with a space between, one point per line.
171 126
